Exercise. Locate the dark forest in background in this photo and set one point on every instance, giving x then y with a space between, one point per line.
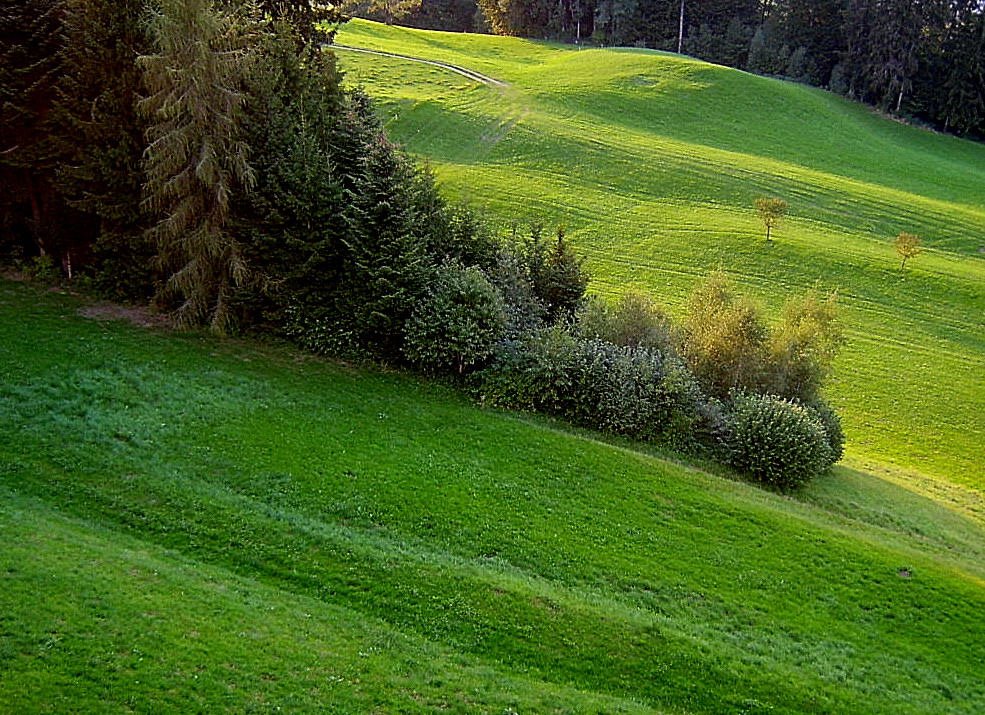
922 59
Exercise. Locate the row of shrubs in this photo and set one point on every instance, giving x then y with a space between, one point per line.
725 387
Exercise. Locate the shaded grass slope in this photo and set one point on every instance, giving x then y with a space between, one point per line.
192 524
653 162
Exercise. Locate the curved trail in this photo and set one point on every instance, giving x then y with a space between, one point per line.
471 74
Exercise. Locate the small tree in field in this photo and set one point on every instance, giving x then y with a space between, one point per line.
770 210
907 246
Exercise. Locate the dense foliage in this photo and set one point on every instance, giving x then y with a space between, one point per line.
636 392
921 58
635 320
458 322
778 442
196 157
227 169
724 384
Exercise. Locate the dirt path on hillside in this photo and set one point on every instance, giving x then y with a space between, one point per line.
137 315
471 74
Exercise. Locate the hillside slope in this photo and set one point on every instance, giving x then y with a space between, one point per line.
653 162
189 524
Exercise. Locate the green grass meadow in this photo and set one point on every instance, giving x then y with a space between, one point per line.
194 524
653 161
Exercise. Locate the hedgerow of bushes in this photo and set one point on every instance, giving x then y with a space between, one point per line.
637 392
723 384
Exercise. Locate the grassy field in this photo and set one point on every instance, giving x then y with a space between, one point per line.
195 525
653 162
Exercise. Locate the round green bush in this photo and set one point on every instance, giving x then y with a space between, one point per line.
777 442
457 324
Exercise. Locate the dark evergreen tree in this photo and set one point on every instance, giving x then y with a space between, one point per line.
100 138
950 85
817 26
963 101
768 53
312 22
32 214
449 15
883 48
557 275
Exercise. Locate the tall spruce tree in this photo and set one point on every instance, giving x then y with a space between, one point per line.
312 22
100 137
818 27
290 224
196 159
884 42
31 211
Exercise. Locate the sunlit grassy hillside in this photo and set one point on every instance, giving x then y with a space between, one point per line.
189 525
653 162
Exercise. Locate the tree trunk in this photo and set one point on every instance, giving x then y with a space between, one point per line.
680 31
37 211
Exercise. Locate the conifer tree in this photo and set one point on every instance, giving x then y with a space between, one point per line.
312 22
818 27
962 104
95 116
30 63
884 43
100 137
196 159
389 10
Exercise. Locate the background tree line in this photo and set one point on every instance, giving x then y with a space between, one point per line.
920 58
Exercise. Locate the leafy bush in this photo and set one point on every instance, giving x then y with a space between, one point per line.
724 339
457 323
729 347
124 266
803 347
779 442
525 313
43 270
832 427
542 281
634 321
635 392
532 372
